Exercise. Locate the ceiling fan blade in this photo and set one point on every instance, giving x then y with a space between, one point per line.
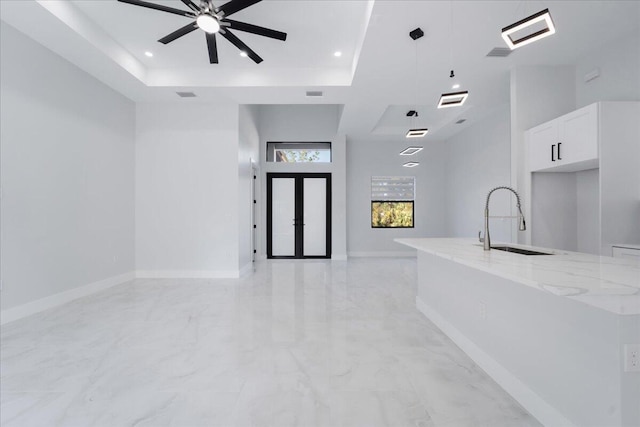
254 29
191 5
159 7
236 5
179 33
213 49
240 45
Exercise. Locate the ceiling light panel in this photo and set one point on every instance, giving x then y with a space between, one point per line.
410 151
417 133
530 29
453 99
411 164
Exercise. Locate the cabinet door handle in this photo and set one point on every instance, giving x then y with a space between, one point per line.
559 143
553 158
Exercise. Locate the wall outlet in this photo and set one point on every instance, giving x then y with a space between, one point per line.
632 357
482 310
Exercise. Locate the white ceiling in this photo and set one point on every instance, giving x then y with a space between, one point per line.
381 74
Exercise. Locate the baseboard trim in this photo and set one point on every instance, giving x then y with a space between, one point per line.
188 274
384 254
37 306
538 407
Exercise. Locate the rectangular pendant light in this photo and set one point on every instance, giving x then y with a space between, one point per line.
417 133
410 151
411 164
542 16
453 99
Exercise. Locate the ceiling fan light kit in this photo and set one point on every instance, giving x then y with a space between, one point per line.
214 21
208 23
543 16
453 99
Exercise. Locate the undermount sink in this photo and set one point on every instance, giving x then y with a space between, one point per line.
518 250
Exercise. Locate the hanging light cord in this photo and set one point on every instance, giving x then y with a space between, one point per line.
451 36
415 88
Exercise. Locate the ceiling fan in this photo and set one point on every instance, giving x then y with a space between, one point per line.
212 20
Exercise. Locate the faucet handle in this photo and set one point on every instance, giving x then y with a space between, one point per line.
480 238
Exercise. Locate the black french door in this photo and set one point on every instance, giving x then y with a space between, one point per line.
298 215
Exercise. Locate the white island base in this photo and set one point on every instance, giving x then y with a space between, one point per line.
556 348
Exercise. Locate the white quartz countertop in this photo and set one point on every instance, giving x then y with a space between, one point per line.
607 283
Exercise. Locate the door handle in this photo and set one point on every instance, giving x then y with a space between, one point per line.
559 144
553 158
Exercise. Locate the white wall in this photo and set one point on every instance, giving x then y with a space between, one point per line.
554 211
307 123
619 66
588 211
67 175
538 94
619 173
248 155
367 157
298 123
477 160
187 190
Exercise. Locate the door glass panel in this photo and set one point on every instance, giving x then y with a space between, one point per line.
283 231
315 217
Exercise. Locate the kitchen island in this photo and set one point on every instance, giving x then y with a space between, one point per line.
552 329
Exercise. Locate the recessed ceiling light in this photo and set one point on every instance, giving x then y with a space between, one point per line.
410 151
411 164
149 54
535 19
455 86
243 54
453 99
417 133
337 54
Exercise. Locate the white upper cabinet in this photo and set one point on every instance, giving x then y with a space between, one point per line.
566 144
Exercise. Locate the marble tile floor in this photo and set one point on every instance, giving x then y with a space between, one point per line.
296 343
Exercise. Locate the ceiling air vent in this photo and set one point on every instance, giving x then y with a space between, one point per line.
186 94
461 121
314 93
500 52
